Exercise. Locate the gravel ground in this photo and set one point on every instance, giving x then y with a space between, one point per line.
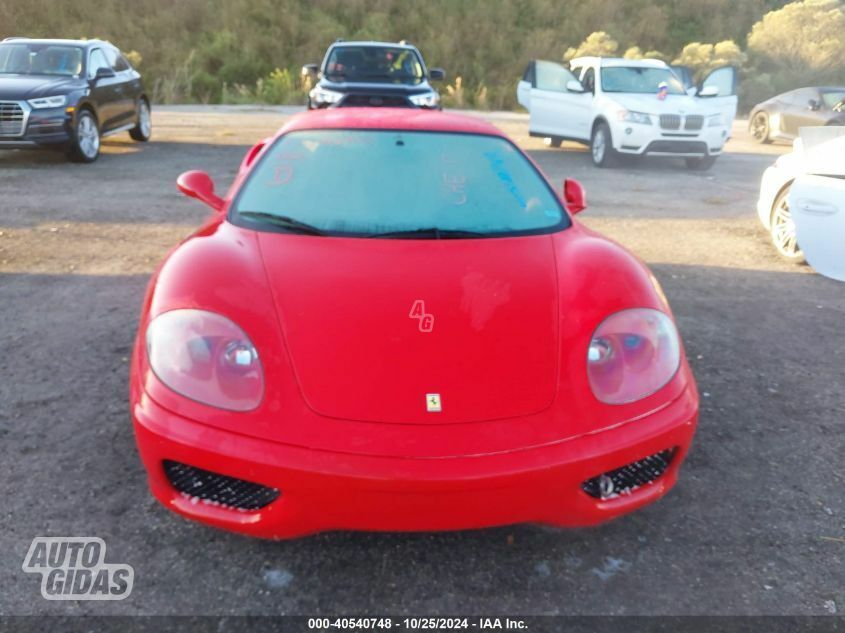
756 524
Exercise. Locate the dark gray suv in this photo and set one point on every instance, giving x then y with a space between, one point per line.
373 74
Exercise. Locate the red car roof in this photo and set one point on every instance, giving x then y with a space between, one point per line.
389 119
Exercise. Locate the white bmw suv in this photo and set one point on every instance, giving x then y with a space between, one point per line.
635 107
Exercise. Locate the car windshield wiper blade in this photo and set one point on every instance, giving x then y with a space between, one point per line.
282 221
431 233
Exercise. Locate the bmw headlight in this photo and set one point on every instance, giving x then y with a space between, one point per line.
205 357
634 117
426 99
322 96
56 101
715 120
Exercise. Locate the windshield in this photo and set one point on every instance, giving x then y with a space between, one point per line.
640 80
374 63
368 182
833 98
40 59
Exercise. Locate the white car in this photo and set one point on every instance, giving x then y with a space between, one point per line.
819 152
634 107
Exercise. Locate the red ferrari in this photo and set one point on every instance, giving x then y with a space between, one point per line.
393 322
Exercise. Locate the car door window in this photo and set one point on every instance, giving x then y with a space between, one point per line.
552 77
528 75
723 79
589 80
96 61
115 60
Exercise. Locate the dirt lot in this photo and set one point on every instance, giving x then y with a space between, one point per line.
755 526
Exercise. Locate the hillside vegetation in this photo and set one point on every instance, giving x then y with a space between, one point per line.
252 50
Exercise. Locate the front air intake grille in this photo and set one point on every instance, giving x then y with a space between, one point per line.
670 121
677 147
694 122
625 480
220 490
12 119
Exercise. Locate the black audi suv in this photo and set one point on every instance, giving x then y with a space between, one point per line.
68 94
373 74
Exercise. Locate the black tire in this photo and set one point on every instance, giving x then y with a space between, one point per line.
85 141
553 141
143 129
601 146
700 164
782 231
759 127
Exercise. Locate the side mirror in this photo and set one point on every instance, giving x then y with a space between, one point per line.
436 74
199 185
814 105
692 91
574 196
310 70
574 86
103 73
708 91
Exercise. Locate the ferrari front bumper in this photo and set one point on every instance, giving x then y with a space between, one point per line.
321 490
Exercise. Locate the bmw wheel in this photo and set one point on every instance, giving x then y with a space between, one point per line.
601 146
760 127
85 144
783 229
143 130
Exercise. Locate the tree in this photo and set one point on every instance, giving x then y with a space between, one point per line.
804 40
702 58
599 44
635 52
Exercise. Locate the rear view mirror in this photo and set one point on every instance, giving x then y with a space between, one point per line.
199 185
574 86
708 91
574 196
436 74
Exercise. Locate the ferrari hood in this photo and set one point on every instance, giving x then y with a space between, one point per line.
418 331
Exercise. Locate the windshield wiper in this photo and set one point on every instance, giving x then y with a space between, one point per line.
282 221
431 233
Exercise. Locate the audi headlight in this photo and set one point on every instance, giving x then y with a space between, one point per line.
715 120
425 100
632 354
634 117
48 102
205 357
322 96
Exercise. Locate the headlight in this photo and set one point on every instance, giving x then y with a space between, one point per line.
425 100
632 354
323 96
715 120
206 357
634 117
48 102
